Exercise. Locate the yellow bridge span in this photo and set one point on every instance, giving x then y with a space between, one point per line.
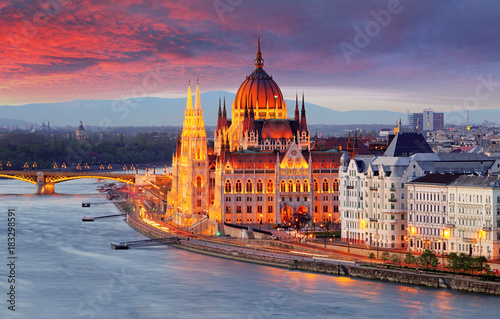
45 180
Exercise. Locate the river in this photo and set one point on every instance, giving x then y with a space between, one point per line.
66 269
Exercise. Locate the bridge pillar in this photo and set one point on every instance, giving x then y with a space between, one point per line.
43 188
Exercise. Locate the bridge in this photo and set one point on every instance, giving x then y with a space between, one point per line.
45 180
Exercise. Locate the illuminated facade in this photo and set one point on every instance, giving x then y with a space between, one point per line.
262 167
455 213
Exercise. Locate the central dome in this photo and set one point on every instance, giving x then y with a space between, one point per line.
260 92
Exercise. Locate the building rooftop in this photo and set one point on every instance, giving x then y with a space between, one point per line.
406 144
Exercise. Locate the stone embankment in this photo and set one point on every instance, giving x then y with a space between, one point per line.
340 268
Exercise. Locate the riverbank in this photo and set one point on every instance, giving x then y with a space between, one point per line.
300 261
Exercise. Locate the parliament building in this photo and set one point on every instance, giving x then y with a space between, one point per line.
262 166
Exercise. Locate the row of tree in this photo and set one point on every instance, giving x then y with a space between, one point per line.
20 149
456 262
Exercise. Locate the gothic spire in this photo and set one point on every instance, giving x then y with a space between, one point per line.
189 103
303 121
296 107
259 61
197 103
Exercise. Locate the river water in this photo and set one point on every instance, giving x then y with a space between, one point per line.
66 269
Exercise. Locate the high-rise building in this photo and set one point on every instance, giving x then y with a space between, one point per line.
428 120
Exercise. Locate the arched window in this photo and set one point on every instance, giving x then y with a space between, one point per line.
249 186
259 186
306 186
282 186
335 185
238 186
290 186
393 237
270 186
297 186
228 186
325 185
316 188
198 181
402 237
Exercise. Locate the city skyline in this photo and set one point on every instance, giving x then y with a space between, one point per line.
386 55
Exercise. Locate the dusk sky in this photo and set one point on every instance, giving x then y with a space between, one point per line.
345 55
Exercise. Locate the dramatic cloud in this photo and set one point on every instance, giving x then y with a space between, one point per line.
408 54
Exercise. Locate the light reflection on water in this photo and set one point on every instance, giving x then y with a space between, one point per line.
66 269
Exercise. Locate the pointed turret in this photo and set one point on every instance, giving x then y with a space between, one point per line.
197 103
219 120
251 120
224 117
189 103
296 107
259 61
355 151
303 121
245 119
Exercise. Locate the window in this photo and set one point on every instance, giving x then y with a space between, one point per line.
198 181
249 186
393 237
270 186
392 227
259 209
238 209
228 209
249 209
282 186
325 185
227 188
306 186
403 227
325 208
198 202
270 209
297 186
259 186
316 185
402 237
335 185
290 186
238 186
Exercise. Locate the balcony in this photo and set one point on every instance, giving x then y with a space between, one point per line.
392 189
350 187
468 240
393 200
449 225
487 228
373 188
374 220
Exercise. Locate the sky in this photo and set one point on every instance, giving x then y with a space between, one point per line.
345 55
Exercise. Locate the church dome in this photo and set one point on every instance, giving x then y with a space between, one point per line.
261 92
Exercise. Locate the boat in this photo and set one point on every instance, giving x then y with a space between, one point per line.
88 219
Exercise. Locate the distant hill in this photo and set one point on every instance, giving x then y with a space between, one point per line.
18 123
170 111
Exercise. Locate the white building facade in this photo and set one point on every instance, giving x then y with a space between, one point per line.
455 213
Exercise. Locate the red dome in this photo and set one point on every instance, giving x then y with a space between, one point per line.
260 92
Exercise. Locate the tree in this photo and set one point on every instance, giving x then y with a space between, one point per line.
410 259
428 258
396 258
371 256
385 256
478 263
453 262
299 220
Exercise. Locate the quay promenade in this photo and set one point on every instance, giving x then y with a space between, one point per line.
304 257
